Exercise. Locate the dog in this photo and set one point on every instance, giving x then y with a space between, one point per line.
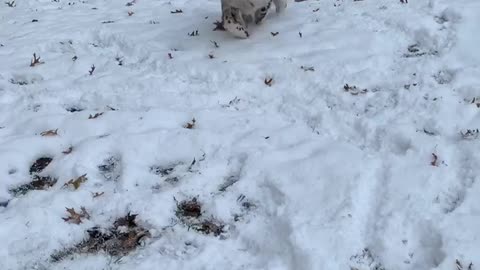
238 14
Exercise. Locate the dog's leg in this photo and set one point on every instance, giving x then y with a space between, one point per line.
261 13
233 22
280 5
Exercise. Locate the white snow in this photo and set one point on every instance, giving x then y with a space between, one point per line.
334 180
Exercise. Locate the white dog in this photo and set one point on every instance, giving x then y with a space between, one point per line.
237 14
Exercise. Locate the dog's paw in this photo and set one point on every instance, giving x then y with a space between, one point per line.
236 30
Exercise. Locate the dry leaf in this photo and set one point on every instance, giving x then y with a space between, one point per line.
68 151
268 81
190 125
191 208
95 116
36 61
97 194
76 182
353 90
435 160
76 218
50 132
305 68
92 69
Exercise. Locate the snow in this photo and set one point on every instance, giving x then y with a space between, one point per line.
335 179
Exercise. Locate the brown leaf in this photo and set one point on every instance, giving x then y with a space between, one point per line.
268 81
95 116
190 125
76 182
76 218
50 132
36 61
191 208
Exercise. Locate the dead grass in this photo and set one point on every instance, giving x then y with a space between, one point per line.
189 209
37 183
189 212
122 238
76 183
40 164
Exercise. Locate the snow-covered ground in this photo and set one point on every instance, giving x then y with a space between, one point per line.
352 158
